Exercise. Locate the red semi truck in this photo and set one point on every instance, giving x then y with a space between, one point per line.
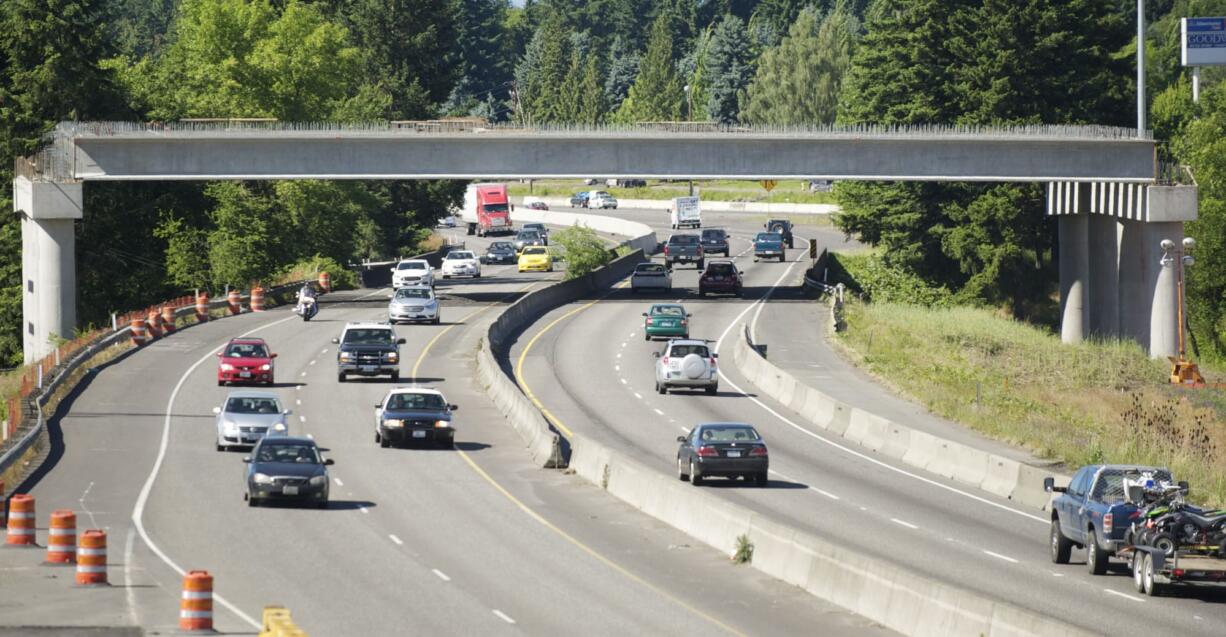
486 209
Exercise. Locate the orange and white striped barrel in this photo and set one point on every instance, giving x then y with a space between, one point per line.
236 301
325 281
202 307
62 537
168 319
153 321
257 299
21 521
91 558
196 607
139 335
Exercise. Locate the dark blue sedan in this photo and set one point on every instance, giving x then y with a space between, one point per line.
723 449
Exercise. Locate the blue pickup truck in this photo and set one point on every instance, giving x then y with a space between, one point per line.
1093 512
768 245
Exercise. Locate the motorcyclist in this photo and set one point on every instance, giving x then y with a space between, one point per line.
307 292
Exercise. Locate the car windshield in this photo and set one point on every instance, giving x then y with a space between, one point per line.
686 350
299 453
667 310
720 268
528 234
1110 485
579 195
712 234
246 350
496 207
416 401
252 406
411 265
368 336
414 293
651 268
462 254
500 245
534 251
728 433
769 237
535 227
687 239
602 194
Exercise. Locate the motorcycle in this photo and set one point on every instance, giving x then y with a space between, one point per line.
1168 523
307 307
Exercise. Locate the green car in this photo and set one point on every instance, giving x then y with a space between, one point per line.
666 319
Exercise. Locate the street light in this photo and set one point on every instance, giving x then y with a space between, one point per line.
689 103
1182 370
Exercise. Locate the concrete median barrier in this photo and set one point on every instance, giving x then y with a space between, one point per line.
990 472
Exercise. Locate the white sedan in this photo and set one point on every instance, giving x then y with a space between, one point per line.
412 272
461 263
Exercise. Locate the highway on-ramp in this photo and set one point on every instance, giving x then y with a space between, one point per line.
588 365
416 540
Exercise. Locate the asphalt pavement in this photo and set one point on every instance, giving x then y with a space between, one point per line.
471 540
594 372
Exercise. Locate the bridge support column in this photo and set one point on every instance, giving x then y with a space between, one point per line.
48 261
1074 278
1103 241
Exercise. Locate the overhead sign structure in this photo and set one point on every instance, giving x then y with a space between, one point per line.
1203 41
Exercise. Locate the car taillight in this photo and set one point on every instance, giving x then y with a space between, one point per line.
684 322
1108 519
758 451
664 360
650 320
1178 572
708 452
700 251
666 249
712 361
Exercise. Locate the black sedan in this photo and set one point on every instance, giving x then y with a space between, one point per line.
411 414
724 449
715 241
288 469
500 252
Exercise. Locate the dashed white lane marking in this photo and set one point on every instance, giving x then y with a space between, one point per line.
298 401
1124 595
298 388
302 374
631 334
312 362
1198 618
503 616
1055 574
311 436
396 539
904 523
863 508
619 354
623 380
338 482
638 395
441 575
301 418
323 351
826 493
1000 557
364 509
617 368
657 411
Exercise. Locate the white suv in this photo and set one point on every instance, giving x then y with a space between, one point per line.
461 263
687 363
412 272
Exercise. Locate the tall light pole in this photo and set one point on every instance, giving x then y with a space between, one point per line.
689 116
1182 370
1140 68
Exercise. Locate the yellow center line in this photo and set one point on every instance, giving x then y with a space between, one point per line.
426 349
536 516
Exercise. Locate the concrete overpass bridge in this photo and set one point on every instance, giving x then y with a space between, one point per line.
1107 175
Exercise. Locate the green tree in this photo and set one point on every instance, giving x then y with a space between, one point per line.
623 69
584 250
656 94
800 80
592 105
242 244
730 68
481 53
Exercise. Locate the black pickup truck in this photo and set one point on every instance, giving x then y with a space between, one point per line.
367 349
784 228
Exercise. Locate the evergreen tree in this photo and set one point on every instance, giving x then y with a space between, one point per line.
729 67
623 69
549 102
592 105
528 80
656 94
480 54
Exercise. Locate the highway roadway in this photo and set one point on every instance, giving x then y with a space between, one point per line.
588 364
416 541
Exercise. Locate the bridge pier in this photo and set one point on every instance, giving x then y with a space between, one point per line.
48 212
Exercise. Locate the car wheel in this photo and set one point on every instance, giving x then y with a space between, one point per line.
221 383
323 504
661 389
1138 571
340 377
781 258
385 443
222 448
681 474
477 275
701 262
711 391
1152 588
446 276
1096 559
646 336
702 292
252 502
761 480
378 438
436 321
1061 546
395 377
695 479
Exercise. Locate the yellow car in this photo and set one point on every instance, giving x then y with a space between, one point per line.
535 258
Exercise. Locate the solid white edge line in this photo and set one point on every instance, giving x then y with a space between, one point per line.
441 575
904 523
999 556
503 616
844 448
138 511
395 539
1124 595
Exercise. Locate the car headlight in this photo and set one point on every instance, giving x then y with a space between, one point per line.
265 367
319 481
229 426
442 424
261 478
392 356
393 422
346 355
280 427
226 367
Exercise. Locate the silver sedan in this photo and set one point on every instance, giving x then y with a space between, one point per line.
245 417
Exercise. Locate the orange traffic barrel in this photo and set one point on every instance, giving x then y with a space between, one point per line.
196 607
139 334
21 521
91 558
325 281
154 323
168 319
62 537
257 299
236 301
202 307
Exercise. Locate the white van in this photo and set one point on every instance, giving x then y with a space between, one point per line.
685 212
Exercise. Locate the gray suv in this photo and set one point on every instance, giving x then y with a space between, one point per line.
368 349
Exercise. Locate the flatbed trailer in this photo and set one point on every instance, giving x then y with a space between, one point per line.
1153 570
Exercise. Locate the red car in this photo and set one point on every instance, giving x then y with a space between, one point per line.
720 277
245 360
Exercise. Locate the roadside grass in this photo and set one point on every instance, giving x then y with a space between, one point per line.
789 191
1103 401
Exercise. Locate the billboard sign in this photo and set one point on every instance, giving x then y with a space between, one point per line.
1203 42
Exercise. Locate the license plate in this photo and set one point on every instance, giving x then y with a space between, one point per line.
419 434
734 454
368 368
244 374
290 490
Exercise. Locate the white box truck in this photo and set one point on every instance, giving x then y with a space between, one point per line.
684 212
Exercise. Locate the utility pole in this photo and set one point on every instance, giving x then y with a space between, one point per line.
1140 68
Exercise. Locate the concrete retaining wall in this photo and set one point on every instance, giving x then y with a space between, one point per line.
639 236
987 471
